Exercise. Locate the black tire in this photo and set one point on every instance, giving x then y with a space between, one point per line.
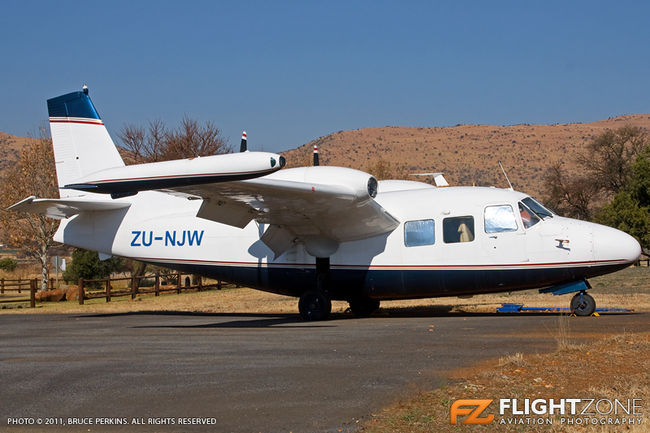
583 304
363 307
314 305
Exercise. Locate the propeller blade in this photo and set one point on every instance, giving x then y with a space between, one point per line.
243 147
316 162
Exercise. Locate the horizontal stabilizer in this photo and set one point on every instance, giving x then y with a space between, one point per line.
65 208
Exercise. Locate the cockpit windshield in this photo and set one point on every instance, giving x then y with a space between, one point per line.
536 207
528 217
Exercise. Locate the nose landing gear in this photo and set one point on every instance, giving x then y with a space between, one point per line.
582 304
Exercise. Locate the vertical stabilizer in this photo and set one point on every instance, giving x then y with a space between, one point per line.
80 139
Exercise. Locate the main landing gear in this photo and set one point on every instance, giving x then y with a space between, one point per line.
317 304
582 304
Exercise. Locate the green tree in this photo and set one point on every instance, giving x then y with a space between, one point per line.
605 169
8 264
630 209
86 264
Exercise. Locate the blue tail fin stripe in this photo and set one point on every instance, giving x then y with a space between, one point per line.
75 104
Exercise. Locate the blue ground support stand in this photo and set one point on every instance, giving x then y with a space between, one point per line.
563 289
518 308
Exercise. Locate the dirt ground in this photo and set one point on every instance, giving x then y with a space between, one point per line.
616 367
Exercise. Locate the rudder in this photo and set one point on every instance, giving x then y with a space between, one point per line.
81 142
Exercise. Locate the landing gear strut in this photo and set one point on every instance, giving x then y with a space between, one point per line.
317 304
362 306
583 304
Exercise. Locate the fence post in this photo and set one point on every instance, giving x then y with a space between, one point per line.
2 286
200 283
178 285
218 284
108 289
157 284
51 281
133 288
20 282
82 292
32 293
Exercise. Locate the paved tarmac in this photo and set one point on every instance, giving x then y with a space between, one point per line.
248 373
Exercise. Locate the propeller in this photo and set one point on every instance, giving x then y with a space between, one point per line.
316 162
242 147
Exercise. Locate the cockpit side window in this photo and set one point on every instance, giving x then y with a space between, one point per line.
536 207
458 229
528 217
500 219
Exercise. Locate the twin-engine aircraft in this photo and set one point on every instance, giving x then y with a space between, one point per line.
317 233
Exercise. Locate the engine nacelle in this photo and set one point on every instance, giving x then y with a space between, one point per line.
362 185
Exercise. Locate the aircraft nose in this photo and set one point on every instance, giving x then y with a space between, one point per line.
613 244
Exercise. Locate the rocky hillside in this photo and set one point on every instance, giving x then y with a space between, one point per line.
467 154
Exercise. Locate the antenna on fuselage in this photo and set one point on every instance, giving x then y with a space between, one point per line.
506 175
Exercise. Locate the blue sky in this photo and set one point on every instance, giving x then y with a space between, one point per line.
289 72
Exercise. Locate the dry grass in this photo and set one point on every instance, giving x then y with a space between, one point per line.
614 367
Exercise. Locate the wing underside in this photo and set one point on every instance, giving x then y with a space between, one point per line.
320 215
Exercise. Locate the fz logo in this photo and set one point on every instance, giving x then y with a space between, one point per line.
463 407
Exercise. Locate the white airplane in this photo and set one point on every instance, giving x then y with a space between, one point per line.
317 233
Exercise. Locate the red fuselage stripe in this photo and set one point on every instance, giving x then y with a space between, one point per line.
527 265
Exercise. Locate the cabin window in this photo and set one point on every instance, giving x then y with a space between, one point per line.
500 219
418 233
458 229
528 217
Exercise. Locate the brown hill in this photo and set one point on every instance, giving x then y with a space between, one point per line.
10 148
467 154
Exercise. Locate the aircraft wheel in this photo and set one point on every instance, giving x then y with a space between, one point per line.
583 304
314 305
363 307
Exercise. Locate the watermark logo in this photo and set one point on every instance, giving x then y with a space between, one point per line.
565 411
473 409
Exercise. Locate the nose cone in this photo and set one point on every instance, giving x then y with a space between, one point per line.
613 244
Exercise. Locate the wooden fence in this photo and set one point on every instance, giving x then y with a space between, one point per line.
19 286
171 283
103 288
